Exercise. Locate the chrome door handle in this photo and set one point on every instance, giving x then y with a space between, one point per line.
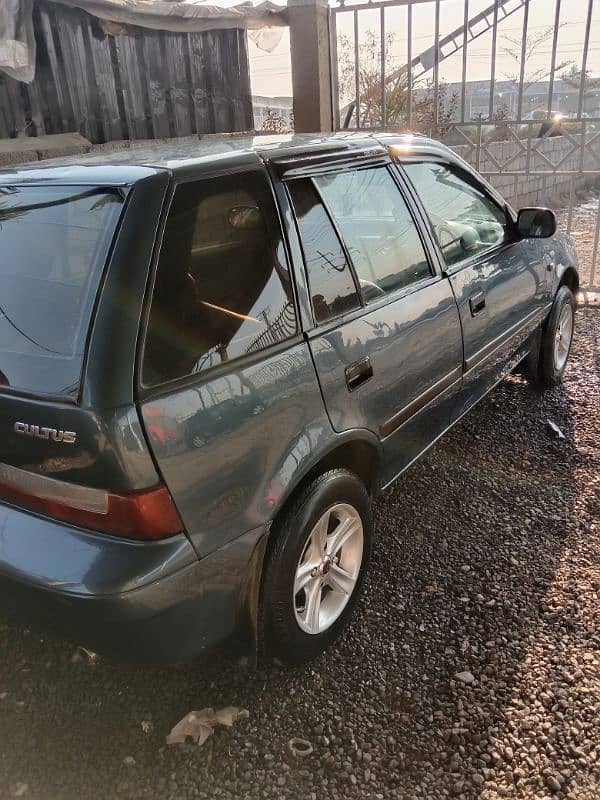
358 373
477 303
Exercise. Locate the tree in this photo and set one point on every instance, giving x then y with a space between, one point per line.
274 122
395 90
447 108
512 49
500 131
573 78
369 80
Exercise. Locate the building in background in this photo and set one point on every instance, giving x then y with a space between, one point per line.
565 98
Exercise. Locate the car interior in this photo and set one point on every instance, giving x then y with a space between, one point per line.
216 261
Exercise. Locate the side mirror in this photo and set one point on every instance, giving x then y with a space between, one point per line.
536 223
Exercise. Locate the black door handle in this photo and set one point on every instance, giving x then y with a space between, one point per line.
358 373
477 303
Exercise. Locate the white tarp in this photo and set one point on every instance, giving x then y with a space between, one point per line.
17 42
264 21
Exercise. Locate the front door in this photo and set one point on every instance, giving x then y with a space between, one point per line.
498 279
387 343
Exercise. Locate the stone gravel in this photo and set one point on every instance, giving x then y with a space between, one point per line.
471 670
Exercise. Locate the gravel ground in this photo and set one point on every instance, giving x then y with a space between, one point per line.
487 562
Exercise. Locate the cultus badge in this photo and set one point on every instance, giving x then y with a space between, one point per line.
66 437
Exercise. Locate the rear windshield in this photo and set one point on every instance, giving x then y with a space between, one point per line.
54 242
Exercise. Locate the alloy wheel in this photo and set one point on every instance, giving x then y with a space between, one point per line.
328 569
562 337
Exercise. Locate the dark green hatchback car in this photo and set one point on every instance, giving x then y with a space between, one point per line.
213 357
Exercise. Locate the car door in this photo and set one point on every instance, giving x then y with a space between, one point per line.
227 388
386 340
498 279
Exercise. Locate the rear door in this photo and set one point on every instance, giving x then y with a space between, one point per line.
386 343
229 396
498 279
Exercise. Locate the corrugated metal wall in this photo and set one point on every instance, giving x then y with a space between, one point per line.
151 84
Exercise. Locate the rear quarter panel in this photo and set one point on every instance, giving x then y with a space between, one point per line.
233 445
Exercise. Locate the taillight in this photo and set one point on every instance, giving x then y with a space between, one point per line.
146 514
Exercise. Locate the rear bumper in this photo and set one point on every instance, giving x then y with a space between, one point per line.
147 601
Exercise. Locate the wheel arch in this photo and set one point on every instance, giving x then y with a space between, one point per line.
570 278
359 451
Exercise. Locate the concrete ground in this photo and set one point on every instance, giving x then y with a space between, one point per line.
487 562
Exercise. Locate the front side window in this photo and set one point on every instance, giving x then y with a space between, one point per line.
465 220
222 286
378 229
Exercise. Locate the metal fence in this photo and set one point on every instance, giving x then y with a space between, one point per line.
508 128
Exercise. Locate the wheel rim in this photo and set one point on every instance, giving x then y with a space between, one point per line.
562 338
328 569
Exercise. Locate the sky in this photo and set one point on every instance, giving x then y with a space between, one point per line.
270 72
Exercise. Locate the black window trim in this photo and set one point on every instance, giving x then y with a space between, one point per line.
325 162
142 391
471 180
421 219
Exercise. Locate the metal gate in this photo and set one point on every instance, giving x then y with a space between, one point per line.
534 134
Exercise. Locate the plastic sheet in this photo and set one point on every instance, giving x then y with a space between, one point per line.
17 42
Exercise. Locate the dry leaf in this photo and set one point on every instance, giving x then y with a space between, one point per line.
199 725
227 716
90 656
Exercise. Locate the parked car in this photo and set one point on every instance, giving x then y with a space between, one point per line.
213 357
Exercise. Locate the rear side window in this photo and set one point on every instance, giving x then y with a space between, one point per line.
54 241
222 286
332 286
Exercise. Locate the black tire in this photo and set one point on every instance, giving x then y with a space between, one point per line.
549 374
282 637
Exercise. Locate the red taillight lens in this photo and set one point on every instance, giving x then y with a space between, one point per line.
147 514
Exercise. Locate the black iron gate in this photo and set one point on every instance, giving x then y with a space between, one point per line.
536 137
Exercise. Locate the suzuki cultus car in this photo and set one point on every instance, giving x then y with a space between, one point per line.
213 357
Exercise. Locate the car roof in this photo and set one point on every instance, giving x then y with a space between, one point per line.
134 162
